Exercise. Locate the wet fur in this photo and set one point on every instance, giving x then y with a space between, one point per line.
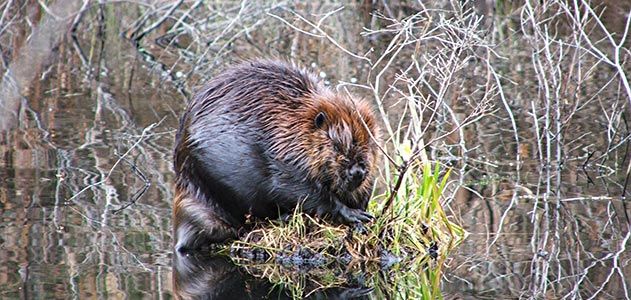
248 145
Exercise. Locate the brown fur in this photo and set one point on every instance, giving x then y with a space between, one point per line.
263 137
318 153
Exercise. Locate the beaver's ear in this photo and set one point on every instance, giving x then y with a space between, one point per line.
319 120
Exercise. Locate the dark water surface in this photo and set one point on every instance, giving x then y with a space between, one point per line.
86 181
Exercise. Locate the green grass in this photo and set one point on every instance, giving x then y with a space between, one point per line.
414 228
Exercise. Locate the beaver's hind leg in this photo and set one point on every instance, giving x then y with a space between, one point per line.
196 225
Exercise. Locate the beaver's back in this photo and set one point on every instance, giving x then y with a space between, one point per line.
224 132
264 136
252 90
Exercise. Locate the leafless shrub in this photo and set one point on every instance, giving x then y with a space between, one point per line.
438 72
448 79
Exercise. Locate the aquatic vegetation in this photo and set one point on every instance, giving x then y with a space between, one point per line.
410 238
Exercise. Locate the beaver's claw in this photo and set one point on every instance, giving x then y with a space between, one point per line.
352 216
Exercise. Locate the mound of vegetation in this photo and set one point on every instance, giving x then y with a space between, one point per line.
409 239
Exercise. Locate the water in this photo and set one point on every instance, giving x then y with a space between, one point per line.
86 181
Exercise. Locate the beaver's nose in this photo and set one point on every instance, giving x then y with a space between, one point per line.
356 174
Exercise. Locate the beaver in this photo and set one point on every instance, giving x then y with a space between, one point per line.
262 138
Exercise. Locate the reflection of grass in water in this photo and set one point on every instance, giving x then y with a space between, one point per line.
414 231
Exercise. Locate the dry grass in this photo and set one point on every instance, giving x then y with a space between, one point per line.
413 231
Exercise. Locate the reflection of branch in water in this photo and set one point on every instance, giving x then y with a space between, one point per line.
107 176
34 52
139 193
104 228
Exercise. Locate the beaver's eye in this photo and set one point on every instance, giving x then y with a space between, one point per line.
319 120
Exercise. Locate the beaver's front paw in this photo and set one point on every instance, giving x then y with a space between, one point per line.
351 216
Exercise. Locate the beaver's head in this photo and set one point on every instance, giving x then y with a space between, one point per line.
342 147
330 138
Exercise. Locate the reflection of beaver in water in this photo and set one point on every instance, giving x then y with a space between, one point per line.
200 275
263 137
